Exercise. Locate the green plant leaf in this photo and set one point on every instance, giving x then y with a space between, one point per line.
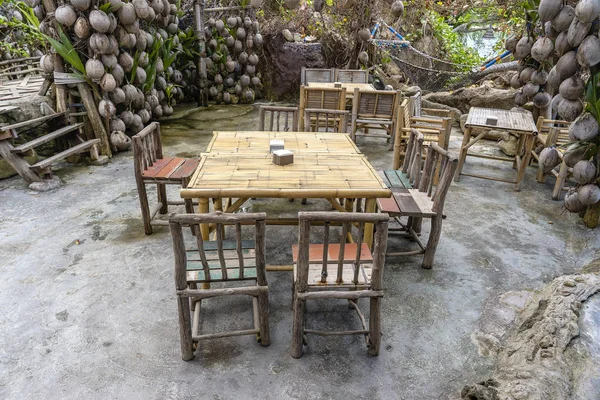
66 51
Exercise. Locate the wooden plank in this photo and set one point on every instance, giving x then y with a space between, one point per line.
406 203
60 156
32 121
216 275
315 252
229 245
384 179
186 169
168 169
46 138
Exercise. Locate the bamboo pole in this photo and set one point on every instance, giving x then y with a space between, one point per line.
87 97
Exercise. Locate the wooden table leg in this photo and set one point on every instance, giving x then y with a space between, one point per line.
529 141
218 206
522 139
463 153
203 208
370 207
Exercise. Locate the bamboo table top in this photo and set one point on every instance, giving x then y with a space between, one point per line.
257 143
514 121
310 176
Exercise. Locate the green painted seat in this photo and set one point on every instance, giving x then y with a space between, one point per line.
395 179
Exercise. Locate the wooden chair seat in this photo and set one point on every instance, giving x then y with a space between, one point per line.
195 272
314 277
395 179
171 168
407 203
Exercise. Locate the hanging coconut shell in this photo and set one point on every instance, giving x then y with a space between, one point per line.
589 194
238 89
523 48
118 73
99 21
578 30
569 110
142 10
539 77
256 3
555 102
574 153
318 5
126 14
515 82
94 69
220 25
117 96
218 79
82 28
567 65
253 59
230 65
211 23
117 124
258 40
588 54
542 49
572 88
230 41
144 115
563 19
47 63
584 172
232 22
542 99
109 60
397 8
213 92
364 35
240 33
250 69
106 108
32 3
140 76
549 31
561 45
255 81
548 9
587 10
100 44
554 79
127 117
39 12
247 22
141 43
363 58
238 46
250 42
143 59
510 44
520 99
530 90
526 74
584 128
119 141
244 80
65 15
548 159
126 61
572 203
133 28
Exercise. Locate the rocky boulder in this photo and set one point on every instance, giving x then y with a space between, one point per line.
476 96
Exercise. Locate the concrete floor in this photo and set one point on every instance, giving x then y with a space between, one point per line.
89 309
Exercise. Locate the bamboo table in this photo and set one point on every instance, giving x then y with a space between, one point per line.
257 143
512 121
349 87
310 176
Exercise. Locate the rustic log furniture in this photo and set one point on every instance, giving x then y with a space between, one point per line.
417 110
410 173
219 261
520 123
348 86
308 75
324 171
356 273
351 76
322 99
425 200
374 109
279 119
151 167
316 120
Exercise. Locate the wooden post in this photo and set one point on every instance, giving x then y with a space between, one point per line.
87 97
261 280
301 287
61 90
370 207
201 40
377 285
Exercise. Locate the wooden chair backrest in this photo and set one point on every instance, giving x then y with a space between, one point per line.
412 159
379 104
323 98
203 256
545 129
347 221
444 161
543 125
147 147
352 76
415 104
558 136
279 119
316 75
330 120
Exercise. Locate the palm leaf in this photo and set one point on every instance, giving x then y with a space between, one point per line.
66 51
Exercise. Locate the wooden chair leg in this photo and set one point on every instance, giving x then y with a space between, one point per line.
298 328
143 195
434 238
540 177
263 316
375 326
560 181
185 329
161 190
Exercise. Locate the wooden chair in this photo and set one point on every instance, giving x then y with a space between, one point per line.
426 200
150 167
280 119
322 99
552 133
225 261
410 173
375 109
329 120
434 130
418 111
316 75
356 273
351 76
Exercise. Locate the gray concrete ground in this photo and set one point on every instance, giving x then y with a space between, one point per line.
89 309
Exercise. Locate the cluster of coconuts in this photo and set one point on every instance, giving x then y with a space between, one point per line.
115 40
231 62
556 63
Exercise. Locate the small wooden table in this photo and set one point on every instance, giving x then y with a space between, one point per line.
521 123
257 143
315 173
348 86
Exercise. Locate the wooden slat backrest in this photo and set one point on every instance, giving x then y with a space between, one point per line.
412 160
178 221
352 76
415 104
545 126
147 147
278 119
324 98
380 104
348 221
316 75
438 162
330 120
